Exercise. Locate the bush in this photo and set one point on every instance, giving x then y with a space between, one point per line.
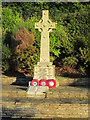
70 42
25 60
21 40
85 55
70 61
9 19
82 70
6 55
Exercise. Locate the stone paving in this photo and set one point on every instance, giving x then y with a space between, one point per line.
62 102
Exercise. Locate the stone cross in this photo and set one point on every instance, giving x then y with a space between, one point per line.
44 69
44 26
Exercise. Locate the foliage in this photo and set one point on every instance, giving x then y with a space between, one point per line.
25 60
70 61
9 19
85 56
69 43
30 26
6 54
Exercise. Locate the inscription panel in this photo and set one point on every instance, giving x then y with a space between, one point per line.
44 72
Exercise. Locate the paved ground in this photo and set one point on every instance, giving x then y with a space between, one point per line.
63 102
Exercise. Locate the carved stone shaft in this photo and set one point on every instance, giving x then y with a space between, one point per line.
44 69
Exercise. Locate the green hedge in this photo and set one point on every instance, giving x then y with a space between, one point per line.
69 43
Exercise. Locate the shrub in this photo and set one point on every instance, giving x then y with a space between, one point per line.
70 61
85 55
69 42
13 25
9 19
22 39
25 60
82 70
6 55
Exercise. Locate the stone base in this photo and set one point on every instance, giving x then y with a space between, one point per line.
37 91
44 71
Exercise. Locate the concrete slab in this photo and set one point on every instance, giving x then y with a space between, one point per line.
32 90
41 90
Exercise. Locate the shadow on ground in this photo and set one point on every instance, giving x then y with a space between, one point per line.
81 82
13 74
18 113
8 118
22 81
73 75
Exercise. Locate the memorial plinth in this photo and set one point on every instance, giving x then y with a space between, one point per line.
44 69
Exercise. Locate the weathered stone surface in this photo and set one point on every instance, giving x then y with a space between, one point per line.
44 26
32 90
41 90
36 90
44 69
62 102
44 72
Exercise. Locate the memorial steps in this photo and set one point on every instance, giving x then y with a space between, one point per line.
63 102
48 111
64 91
20 92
